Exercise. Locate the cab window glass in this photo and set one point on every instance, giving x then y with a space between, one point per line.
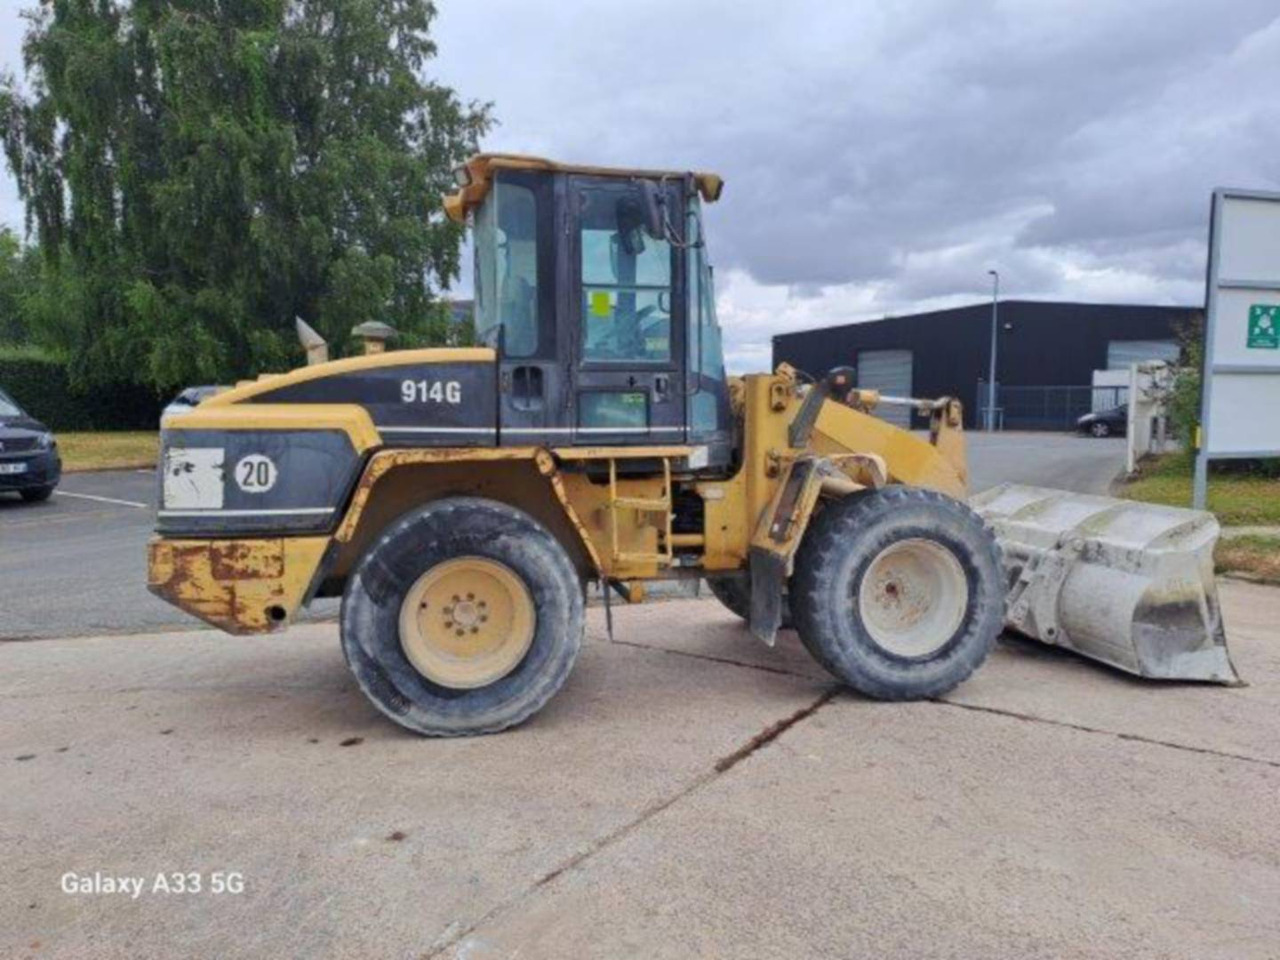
613 410
706 352
626 281
506 268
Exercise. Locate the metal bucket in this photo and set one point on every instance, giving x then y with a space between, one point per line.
1129 584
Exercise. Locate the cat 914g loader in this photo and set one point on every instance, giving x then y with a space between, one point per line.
460 501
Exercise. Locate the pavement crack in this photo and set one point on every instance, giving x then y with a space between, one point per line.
772 732
453 935
729 661
1084 728
647 814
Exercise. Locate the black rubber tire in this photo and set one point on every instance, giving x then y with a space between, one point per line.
1100 429
36 494
439 531
734 591
835 554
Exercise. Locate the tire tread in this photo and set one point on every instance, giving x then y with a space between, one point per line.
829 539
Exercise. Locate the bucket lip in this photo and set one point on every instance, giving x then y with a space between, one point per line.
1129 523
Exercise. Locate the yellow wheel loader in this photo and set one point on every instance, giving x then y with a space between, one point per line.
461 501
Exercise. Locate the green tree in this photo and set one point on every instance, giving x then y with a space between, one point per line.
1184 401
199 173
14 282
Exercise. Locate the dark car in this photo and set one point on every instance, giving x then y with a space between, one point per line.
1105 423
29 460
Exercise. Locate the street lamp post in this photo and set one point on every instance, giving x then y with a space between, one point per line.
991 377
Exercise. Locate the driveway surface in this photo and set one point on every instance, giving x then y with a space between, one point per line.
1061 460
688 794
76 565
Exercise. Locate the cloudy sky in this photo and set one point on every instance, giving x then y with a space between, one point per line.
881 157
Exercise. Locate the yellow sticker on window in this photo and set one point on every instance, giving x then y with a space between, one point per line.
601 305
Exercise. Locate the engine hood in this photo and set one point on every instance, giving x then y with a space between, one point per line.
21 427
271 385
445 397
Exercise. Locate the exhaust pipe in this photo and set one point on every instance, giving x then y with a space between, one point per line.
314 344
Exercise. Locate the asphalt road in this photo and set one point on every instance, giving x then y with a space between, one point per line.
1079 464
689 793
76 565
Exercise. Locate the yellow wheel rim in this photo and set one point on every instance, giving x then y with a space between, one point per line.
467 622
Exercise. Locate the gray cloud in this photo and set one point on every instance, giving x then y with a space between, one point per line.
881 157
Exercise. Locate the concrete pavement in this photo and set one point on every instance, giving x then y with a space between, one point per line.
687 794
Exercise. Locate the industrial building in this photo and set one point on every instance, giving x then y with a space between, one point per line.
1052 358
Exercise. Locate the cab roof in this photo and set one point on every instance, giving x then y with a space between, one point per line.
476 176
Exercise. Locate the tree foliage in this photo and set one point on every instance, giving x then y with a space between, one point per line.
1184 400
15 275
198 173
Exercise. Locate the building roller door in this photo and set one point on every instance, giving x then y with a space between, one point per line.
1122 353
888 371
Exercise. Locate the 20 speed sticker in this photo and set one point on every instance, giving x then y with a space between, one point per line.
256 473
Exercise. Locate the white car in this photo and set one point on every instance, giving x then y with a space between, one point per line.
188 399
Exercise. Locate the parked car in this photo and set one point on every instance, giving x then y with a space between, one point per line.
29 461
1105 423
189 399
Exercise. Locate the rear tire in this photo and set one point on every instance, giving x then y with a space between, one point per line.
465 617
36 494
1100 429
734 591
899 593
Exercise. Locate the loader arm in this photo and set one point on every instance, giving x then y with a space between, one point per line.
835 418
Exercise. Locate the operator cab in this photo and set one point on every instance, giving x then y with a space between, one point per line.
595 289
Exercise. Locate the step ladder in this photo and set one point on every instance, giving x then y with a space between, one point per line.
641 505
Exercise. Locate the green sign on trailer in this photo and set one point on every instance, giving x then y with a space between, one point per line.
1264 327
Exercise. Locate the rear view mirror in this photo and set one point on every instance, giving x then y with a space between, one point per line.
631 224
652 205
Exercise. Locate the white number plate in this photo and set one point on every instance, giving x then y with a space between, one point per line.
193 478
13 468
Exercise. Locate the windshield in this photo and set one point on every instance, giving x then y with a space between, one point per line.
7 407
506 269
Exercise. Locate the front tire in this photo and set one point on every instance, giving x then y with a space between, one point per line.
465 617
1100 429
37 494
898 593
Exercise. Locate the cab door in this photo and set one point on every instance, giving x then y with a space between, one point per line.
515 233
627 315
